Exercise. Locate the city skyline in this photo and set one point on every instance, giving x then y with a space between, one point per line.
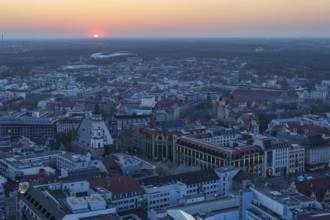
146 18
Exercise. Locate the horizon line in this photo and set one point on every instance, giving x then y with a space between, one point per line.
160 38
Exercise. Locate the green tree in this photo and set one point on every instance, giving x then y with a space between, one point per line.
66 139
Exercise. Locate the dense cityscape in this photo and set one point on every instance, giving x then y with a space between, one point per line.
124 129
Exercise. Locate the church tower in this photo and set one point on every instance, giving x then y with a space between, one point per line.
97 136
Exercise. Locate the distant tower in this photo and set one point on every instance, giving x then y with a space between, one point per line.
80 59
2 38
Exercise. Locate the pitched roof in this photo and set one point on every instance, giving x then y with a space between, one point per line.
243 175
315 141
317 186
200 145
33 195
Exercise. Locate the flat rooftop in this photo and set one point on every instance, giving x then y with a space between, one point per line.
285 197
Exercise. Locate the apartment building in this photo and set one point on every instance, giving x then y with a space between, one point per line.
192 152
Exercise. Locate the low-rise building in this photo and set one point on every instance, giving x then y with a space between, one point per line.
36 126
193 152
265 203
187 188
134 166
123 192
16 168
51 202
69 161
220 136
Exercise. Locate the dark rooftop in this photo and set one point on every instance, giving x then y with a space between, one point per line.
187 178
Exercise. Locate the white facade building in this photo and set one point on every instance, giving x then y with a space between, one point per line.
45 203
263 203
14 168
93 134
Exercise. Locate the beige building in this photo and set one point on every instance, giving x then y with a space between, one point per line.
296 158
192 152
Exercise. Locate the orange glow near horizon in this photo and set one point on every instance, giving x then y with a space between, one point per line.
149 18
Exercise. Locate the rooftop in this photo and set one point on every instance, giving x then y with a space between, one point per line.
117 185
187 178
11 120
284 197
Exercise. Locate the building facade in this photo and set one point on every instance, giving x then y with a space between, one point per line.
296 158
36 128
192 152
93 135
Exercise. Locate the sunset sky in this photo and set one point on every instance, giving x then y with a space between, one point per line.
164 18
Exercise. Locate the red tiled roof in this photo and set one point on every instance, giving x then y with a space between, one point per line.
39 179
147 131
166 103
280 144
318 186
250 148
112 167
308 129
202 145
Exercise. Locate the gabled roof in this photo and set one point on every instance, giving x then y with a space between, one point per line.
84 133
243 175
315 141
201 145
317 186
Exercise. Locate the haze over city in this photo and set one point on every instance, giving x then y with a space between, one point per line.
164 109
147 18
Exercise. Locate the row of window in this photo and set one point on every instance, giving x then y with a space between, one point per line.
125 202
122 208
159 195
297 155
36 204
158 201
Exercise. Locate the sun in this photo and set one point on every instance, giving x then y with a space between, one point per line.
96 36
